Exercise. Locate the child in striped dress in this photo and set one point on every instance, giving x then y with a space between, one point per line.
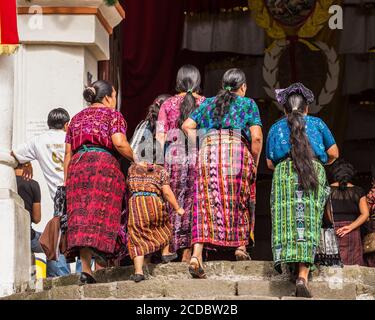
149 227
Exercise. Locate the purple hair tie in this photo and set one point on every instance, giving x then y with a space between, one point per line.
283 94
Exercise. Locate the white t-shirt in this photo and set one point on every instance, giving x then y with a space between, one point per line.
49 150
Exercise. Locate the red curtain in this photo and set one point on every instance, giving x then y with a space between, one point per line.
8 26
152 34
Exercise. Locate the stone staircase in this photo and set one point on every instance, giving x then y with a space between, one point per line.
250 280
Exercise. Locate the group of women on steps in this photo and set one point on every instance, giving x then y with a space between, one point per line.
192 180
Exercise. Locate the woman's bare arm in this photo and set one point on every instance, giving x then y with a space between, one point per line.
161 137
189 127
333 154
270 165
67 159
170 197
364 214
122 146
256 142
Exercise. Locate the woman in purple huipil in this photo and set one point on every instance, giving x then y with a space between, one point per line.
180 160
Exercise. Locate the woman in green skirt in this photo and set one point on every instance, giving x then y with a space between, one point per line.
297 147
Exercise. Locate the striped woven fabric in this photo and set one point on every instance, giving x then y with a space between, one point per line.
224 197
296 215
149 228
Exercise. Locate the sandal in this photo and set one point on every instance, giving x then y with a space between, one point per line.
302 289
243 256
196 270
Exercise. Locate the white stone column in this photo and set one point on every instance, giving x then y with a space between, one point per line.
15 254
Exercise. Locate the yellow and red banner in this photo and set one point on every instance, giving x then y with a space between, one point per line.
8 27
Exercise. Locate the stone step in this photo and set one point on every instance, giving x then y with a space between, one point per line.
225 270
194 289
246 280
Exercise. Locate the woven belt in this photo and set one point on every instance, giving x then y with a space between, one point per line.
144 193
84 149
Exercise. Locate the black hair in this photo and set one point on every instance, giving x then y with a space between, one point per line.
232 80
189 81
373 172
301 151
153 111
98 91
57 118
342 172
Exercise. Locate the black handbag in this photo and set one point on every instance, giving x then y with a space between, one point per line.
328 252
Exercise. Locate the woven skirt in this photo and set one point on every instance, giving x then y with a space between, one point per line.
351 247
94 194
182 178
224 197
149 229
296 215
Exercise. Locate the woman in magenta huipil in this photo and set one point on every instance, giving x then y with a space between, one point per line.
95 185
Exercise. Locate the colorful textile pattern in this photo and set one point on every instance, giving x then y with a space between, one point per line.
224 197
181 167
278 140
243 114
170 113
94 193
149 228
121 247
283 94
95 126
182 176
296 215
351 248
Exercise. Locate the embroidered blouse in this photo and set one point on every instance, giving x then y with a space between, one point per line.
169 113
243 114
278 144
95 126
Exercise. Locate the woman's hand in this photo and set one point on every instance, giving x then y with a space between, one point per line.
180 211
344 231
